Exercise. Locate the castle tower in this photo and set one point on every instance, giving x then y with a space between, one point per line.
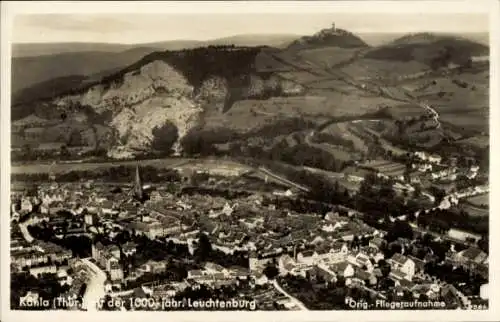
139 194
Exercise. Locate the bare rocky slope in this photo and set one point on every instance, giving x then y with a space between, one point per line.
174 87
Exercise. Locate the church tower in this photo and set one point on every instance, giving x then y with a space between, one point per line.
138 193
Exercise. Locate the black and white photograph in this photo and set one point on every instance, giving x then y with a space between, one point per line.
293 161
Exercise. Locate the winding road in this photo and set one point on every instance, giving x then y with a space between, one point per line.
24 230
435 115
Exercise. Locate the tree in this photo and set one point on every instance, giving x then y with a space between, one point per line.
64 151
400 229
27 151
271 271
164 137
355 242
483 244
385 268
392 249
204 247
75 139
417 193
340 281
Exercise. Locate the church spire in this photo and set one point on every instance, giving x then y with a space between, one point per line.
138 184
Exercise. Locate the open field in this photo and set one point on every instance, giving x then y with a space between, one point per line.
337 177
406 110
474 210
319 103
343 130
338 152
303 77
481 201
468 122
372 68
327 56
158 163
332 84
67 167
385 167
455 93
479 141
249 115
215 166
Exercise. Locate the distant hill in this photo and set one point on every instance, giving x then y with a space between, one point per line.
429 48
33 64
42 49
384 38
329 37
272 40
47 89
28 71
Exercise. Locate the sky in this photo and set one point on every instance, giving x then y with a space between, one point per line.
144 28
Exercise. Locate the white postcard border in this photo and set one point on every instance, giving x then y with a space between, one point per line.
9 9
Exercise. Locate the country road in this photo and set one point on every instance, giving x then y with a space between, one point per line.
283 179
435 114
293 299
24 230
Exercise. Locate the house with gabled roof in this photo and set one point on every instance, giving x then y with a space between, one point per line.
449 294
286 264
259 279
397 275
376 242
363 261
473 254
340 247
129 248
323 252
363 277
401 264
343 269
307 257
431 291
419 264
195 274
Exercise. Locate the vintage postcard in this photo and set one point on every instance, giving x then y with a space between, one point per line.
249 160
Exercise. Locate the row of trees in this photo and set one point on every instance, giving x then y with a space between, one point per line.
116 174
201 141
441 220
333 139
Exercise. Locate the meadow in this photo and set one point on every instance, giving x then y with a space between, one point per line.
481 201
